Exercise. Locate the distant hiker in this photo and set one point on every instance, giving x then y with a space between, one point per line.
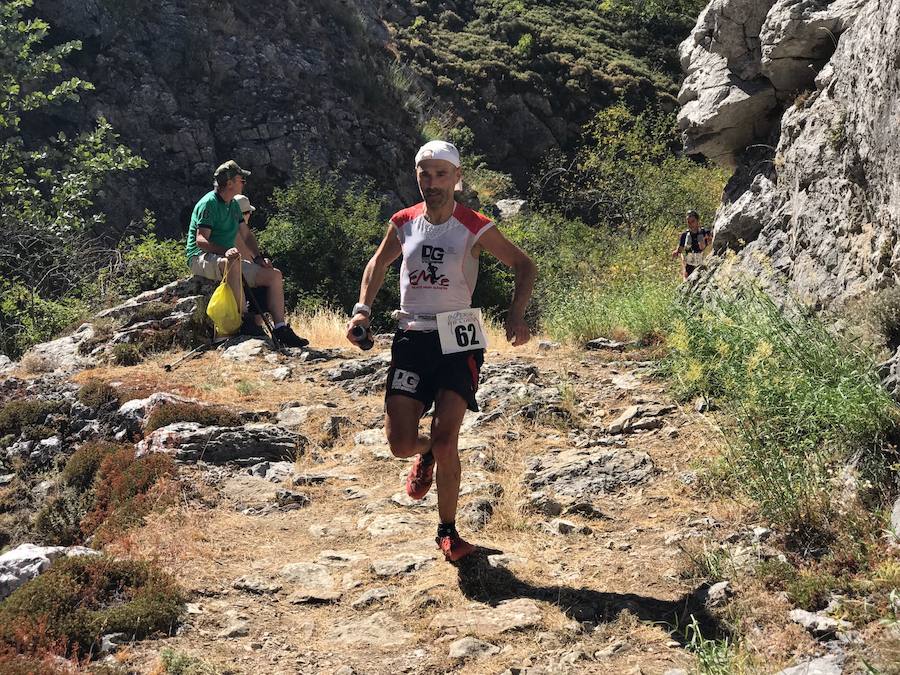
692 245
218 228
438 348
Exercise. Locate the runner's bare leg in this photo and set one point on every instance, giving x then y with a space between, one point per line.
401 426
449 410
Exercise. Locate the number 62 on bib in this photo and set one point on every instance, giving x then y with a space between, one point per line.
461 331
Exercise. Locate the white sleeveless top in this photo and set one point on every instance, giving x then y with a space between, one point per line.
438 272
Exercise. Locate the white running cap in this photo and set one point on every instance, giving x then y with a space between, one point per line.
439 150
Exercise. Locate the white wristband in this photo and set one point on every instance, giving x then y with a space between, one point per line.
360 308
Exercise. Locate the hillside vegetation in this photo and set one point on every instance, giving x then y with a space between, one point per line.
525 76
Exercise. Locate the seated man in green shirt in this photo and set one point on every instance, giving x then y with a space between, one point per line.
216 225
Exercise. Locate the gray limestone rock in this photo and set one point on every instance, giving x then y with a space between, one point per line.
815 216
402 563
379 630
370 597
62 355
472 648
585 472
27 561
489 621
355 368
798 38
132 415
895 519
309 582
390 524
512 208
824 665
189 441
256 585
818 624
246 350
476 513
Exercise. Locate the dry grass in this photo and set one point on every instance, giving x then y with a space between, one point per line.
208 543
327 328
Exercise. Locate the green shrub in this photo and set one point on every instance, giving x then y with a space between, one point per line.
207 415
151 311
79 599
16 415
37 432
58 523
145 262
180 663
802 403
322 237
95 394
124 354
82 465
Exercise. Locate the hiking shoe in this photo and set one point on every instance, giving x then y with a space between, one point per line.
419 478
454 547
250 328
288 338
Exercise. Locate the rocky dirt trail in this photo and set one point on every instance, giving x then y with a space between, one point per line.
576 488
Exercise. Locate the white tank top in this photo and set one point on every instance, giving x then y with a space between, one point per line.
438 272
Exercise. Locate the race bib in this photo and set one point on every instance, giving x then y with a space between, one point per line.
461 331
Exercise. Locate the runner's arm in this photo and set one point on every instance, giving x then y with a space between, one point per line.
373 276
494 242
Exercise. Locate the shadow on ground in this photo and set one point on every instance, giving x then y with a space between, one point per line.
493 585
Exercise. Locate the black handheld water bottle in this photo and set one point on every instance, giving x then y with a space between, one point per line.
361 337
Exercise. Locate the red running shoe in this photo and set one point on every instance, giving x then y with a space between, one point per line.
454 547
419 479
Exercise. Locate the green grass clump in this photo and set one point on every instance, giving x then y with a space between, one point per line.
124 354
803 405
16 415
639 311
207 415
58 523
96 394
83 464
180 663
79 599
151 311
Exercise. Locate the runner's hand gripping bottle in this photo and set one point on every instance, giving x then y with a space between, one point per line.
362 338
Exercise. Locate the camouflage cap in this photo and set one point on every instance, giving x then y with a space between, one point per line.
230 169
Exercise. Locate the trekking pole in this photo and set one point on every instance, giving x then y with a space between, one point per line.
265 317
196 351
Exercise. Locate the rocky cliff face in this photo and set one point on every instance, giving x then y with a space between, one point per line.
802 97
189 84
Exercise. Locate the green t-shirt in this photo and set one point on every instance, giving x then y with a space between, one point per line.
222 219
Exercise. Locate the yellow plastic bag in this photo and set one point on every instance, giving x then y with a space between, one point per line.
223 310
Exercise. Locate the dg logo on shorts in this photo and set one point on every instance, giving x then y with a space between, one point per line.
419 369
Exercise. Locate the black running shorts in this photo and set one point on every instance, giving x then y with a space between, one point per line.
419 369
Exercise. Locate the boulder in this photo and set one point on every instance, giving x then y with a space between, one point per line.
583 473
471 648
489 621
62 355
252 443
27 561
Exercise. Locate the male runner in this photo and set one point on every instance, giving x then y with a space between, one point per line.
692 245
440 242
